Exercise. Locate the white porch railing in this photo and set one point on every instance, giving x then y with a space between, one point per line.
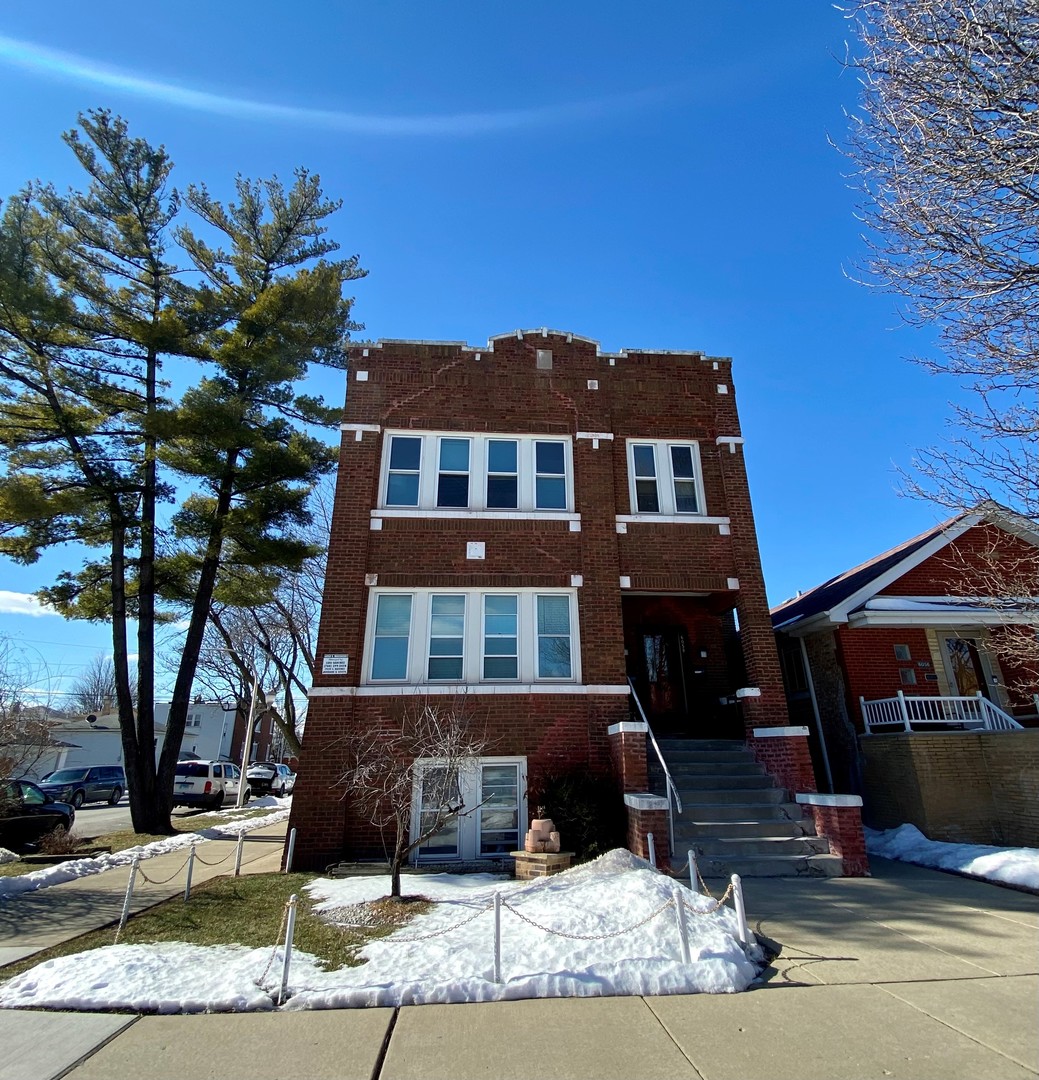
976 713
672 791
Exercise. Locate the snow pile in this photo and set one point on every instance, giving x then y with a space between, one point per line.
1014 866
617 910
7 856
620 941
170 977
77 868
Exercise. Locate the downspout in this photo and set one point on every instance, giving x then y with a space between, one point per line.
815 711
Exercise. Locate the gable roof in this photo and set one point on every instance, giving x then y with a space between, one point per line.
833 600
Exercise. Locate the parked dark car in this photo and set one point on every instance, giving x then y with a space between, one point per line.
268 777
27 813
98 783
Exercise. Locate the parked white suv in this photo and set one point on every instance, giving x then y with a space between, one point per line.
206 783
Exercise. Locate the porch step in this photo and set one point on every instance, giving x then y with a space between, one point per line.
739 811
696 769
815 866
717 796
690 832
701 744
682 755
719 781
734 817
732 849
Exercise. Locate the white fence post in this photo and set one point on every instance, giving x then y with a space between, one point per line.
191 866
652 850
291 851
290 930
129 896
741 911
905 711
238 854
694 873
497 937
683 929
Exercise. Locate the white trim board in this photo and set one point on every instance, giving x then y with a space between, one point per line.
466 689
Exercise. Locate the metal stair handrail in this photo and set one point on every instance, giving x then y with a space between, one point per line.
672 791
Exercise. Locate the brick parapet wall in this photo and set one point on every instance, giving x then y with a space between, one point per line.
842 827
786 759
640 824
962 787
628 754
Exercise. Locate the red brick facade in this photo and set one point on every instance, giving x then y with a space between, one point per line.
894 629
691 573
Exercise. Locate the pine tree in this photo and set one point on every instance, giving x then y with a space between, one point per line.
97 322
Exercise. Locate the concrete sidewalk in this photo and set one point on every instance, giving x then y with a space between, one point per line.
911 974
33 921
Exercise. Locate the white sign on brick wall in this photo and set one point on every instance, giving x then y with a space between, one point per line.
334 664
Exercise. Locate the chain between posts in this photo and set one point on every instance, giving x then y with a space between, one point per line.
217 862
274 951
719 902
162 881
589 937
447 929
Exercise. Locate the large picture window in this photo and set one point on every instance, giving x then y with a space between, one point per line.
664 477
492 474
428 636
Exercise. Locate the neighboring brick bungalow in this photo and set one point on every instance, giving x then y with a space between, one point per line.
897 669
531 523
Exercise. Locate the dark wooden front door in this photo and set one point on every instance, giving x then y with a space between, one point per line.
661 678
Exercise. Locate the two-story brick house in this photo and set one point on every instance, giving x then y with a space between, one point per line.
533 523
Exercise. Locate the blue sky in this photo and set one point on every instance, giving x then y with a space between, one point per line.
652 175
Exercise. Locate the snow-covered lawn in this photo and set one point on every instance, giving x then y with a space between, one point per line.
77 868
605 928
1014 866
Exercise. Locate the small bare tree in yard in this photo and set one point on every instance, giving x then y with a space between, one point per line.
434 745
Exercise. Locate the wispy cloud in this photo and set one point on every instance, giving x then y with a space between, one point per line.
79 69
20 603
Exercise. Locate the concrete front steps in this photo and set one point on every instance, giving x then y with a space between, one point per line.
734 817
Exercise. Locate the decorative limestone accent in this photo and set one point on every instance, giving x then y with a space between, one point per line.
542 836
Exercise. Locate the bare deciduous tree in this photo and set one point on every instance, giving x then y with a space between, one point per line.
946 144
25 729
435 745
94 690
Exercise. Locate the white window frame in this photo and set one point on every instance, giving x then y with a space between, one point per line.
429 473
472 655
469 830
666 480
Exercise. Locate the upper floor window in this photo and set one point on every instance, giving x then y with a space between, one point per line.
431 471
664 477
433 636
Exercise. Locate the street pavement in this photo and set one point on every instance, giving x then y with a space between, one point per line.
908 974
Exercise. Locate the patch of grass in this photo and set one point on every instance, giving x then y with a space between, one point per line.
247 911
